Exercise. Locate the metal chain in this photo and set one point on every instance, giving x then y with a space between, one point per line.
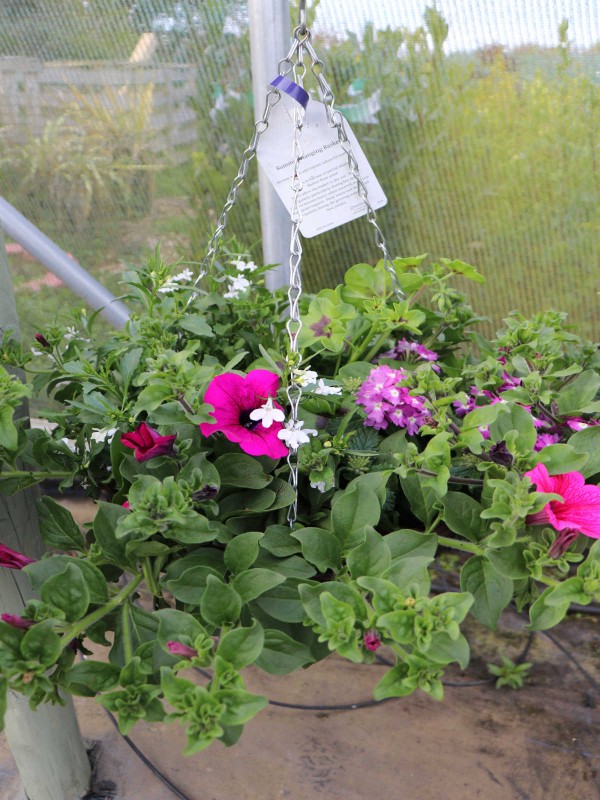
336 120
294 323
273 96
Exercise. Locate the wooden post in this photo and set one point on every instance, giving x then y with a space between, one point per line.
46 744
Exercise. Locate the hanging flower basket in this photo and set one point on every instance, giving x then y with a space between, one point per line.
415 436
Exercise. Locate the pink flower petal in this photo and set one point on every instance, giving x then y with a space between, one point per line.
263 383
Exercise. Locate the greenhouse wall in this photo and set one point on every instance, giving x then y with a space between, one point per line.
480 119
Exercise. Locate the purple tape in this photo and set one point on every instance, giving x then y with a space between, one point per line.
289 87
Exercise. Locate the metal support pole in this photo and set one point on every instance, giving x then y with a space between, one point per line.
62 265
269 43
46 744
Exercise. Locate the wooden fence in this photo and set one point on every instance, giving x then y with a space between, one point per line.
33 93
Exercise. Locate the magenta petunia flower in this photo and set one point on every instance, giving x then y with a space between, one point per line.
13 560
235 398
17 622
577 513
180 649
148 443
545 439
371 641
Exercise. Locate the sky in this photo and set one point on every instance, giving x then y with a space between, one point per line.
473 23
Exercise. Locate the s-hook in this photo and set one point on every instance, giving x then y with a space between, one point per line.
302 17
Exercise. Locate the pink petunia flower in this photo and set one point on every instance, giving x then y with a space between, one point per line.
234 398
17 622
577 513
148 443
180 649
13 560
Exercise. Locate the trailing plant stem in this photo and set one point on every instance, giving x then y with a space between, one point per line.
468 547
81 626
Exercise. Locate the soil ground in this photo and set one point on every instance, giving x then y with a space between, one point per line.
536 743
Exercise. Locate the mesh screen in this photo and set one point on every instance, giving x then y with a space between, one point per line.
123 123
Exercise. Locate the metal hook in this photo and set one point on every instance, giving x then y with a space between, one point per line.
302 17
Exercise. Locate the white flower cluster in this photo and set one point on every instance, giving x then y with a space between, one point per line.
294 436
172 283
305 378
238 284
244 266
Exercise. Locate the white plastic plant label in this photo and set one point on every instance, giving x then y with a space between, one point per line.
329 195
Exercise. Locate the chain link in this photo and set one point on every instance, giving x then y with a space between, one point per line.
286 65
294 323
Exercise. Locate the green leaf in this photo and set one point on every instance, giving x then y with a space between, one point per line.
516 419
463 269
283 602
543 615
394 683
245 472
8 431
254 582
351 510
88 678
129 364
491 590
281 654
57 526
311 599
561 458
190 585
320 547
240 706
372 557
422 498
195 323
239 504
279 542
242 646
152 397
462 514
578 394
68 592
42 644
40 571
220 603
411 544
587 441
242 551
176 625
105 525
510 561
444 649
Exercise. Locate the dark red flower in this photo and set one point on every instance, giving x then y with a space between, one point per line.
148 443
41 339
13 560
17 622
